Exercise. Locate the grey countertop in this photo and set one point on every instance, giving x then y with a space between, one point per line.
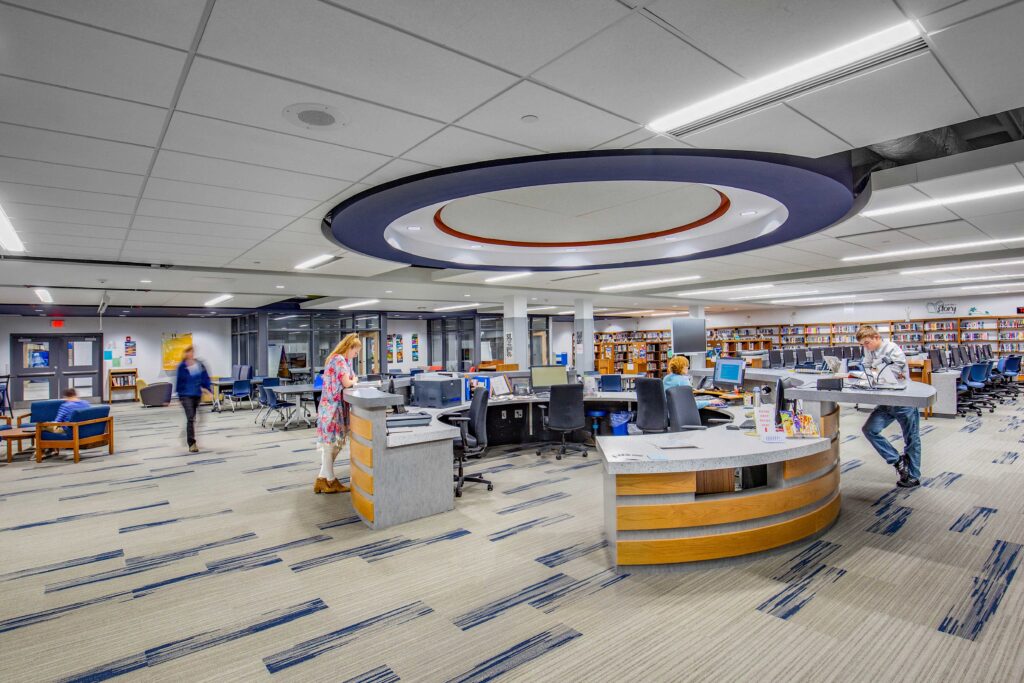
369 397
716 448
915 394
435 431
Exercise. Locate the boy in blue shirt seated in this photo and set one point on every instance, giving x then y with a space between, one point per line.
678 366
71 404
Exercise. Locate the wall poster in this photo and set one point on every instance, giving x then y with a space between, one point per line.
172 346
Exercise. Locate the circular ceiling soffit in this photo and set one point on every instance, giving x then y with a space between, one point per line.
735 202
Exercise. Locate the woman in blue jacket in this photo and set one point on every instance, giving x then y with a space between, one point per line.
193 381
678 367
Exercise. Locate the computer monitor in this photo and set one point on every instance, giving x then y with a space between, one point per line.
729 373
611 382
688 335
817 355
986 351
965 359
780 399
543 377
935 356
788 358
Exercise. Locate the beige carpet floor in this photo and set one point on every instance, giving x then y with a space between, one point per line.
155 564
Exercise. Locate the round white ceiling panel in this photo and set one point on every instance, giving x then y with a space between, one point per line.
602 209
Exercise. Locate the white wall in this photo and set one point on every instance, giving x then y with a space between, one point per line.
407 328
211 337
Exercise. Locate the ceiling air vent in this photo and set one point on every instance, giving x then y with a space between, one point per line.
899 52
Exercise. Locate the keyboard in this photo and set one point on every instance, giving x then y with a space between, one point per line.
747 424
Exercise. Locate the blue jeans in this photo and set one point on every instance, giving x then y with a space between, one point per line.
883 416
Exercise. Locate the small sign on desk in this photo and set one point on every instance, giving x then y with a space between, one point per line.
765 419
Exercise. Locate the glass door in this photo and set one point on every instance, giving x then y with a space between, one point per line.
81 369
369 354
43 366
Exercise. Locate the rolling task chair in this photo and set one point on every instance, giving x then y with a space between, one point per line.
564 414
472 439
683 414
651 409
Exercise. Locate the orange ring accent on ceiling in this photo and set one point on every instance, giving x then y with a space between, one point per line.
723 206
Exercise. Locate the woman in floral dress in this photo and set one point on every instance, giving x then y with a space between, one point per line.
331 427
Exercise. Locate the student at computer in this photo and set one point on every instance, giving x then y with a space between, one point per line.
887 364
678 367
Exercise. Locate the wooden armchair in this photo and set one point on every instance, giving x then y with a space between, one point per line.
93 426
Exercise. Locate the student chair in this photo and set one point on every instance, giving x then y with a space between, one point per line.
978 389
472 441
241 390
564 414
651 409
85 427
965 402
274 405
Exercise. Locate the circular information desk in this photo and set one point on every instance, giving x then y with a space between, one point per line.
668 505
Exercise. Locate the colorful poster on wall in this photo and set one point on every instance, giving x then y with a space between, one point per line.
398 348
108 354
129 346
415 348
172 347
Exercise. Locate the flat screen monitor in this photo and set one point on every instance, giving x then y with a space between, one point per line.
780 399
964 358
775 359
543 377
817 355
611 382
729 373
935 356
688 335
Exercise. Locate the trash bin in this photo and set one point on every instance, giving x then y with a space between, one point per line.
620 422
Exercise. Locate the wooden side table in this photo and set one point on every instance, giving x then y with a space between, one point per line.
16 434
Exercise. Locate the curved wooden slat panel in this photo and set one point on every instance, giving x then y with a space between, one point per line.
361 426
716 481
360 453
362 479
697 548
830 423
648 484
726 510
362 505
794 469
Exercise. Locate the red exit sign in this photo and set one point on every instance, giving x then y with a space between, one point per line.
56 323
1020 311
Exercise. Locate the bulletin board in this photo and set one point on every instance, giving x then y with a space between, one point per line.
173 346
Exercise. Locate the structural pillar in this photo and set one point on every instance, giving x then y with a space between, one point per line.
583 335
697 360
516 332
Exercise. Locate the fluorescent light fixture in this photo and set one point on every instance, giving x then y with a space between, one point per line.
955 199
145 282
279 286
814 298
766 296
749 213
509 276
648 283
219 299
996 284
926 250
665 315
44 296
719 290
360 304
455 308
844 302
572 312
539 308
313 262
633 312
9 239
946 269
976 279
814 67
414 228
286 317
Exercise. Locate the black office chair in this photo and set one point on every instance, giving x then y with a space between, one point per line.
472 438
651 408
564 414
682 410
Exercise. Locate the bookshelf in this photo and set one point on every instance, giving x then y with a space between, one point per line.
632 352
123 380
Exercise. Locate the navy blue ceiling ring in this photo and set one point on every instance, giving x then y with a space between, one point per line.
817 193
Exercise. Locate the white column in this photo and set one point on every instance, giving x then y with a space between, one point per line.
697 360
515 327
583 335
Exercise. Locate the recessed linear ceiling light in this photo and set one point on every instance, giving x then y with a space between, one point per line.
766 296
279 286
219 299
455 308
414 228
9 239
844 302
665 315
359 304
509 276
749 213
814 298
44 296
539 308
946 269
648 283
980 278
145 282
819 65
926 250
995 285
719 290
944 201
633 312
314 262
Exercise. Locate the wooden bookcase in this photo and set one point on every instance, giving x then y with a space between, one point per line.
123 380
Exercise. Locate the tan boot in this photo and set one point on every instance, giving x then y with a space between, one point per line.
321 486
336 486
